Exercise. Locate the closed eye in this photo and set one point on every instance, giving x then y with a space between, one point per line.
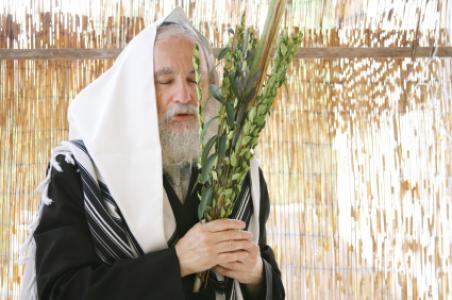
191 80
164 81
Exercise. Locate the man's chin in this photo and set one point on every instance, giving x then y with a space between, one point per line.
183 118
180 142
179 126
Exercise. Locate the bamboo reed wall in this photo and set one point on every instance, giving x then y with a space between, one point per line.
357 152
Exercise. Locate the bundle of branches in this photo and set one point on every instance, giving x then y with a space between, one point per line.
246 95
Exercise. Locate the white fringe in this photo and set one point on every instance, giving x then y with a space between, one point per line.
27 252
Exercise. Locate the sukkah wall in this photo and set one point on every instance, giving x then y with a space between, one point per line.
357 152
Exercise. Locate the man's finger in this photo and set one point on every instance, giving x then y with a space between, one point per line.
233 266
234 245
224 224
228 257
229 235
254 249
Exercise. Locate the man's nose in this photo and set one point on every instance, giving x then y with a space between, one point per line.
183 93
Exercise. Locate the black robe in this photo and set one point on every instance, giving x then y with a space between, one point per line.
67 266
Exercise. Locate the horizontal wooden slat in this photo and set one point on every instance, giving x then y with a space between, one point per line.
307 53
67 53
400 52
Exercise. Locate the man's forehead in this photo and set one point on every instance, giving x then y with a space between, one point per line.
167 41
170 71
174 55
174 48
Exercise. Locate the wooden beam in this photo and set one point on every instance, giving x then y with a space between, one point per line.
396 52
61 54
303 53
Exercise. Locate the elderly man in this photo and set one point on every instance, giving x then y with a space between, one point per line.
118 219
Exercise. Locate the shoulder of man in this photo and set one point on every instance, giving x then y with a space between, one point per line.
65 180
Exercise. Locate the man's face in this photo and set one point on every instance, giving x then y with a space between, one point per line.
177 105
175 85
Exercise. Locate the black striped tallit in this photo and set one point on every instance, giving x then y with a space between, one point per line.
112 238
242 210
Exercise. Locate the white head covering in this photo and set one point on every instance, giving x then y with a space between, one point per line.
116 117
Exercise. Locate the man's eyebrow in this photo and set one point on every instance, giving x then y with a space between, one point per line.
163 71
169 71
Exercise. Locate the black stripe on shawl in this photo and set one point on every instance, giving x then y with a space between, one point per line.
243 209
111 247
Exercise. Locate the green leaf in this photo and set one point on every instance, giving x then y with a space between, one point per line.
205 200
233 160
227 193
195 56
207 167
236 177
215 92
261 110
252 114
235 86
230 113
246 140
283 49
248 155
222 146
198 77
206 126
206 149
223 53
230 135
260 121
246 128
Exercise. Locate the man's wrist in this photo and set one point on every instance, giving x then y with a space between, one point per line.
259 272
254 288
183 271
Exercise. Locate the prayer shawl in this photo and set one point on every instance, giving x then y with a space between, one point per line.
114 142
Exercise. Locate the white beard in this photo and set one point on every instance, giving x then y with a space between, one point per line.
181 148
180 142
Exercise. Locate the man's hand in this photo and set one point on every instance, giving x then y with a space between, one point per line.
247 270
219 242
